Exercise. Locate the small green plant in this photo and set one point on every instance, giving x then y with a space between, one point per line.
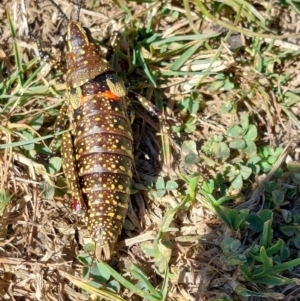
217 147
269 155
161 248
236 174
162 187
103 281
189 107
294 169
264 261
223 82
232 218
240 137
292 227
243 137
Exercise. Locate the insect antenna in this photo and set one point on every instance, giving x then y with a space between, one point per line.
79 3
62 14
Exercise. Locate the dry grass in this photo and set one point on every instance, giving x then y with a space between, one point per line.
240 65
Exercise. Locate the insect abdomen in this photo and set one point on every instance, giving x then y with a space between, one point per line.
103 151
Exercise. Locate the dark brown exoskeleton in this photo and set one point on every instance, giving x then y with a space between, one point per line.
97 153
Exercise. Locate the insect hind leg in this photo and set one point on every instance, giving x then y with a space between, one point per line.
113 44
150 108
47 57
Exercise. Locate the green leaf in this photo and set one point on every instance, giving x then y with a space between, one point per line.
160 187
285 253
123 281
254 160
139 54
266 260
245 121
288 230
266 236
216 85
208 186
287 215
285 266
277 151
85 259
240 219
251 133
192 186
266 215
147 248
272 280
230 170
228 85
184 57
190 125
256 224
235 131
297 242
236 259
230 216
270 186
226 107
229 245
189 147
237 182
164 288
278 197
222 151
265 166
272 159
243 292
250 148
54 165
89 247
191 159
37 122
171 185
48 190
28 137
103 271
245 172
165 252
100 276
114 285
275 248
237 143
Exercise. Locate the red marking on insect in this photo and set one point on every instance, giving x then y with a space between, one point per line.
78 206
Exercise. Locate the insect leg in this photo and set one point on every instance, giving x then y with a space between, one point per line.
113 43
151 108
59 126
71 173
47 57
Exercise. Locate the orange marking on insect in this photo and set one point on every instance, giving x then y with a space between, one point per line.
107 94
110 95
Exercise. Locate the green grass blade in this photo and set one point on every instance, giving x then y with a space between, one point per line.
126 283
